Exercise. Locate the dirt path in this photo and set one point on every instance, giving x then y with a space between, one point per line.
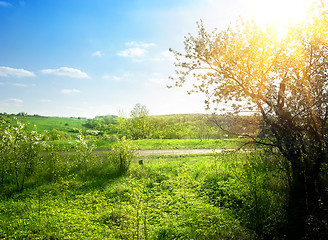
165 151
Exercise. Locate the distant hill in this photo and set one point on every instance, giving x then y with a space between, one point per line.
70 125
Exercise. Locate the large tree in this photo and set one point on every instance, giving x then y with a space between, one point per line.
285 80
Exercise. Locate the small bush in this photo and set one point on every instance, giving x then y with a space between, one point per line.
84 150
19 152
55 134
122 153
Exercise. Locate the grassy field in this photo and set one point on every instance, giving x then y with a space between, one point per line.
143 144
214 196
189 143
80 195
178 143
49 123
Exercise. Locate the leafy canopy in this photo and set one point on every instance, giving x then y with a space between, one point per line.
252 68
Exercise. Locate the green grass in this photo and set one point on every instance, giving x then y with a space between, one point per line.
69 125
189 143
178 143
168 197
144 144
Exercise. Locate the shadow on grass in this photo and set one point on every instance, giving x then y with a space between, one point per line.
97 177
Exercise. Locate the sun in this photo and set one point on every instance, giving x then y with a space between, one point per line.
279 13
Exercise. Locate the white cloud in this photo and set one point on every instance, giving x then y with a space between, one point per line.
21 85
133 52
5 4
66 72
24 85
137 50
67 91
14 72
140 44
15 100
109 77
12 101
97 54
46 101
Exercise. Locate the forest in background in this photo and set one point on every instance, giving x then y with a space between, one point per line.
139 125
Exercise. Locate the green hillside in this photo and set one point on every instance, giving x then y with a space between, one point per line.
70 125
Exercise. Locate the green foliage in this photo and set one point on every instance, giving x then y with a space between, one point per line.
169 197
55 134
253 187
82 195
84 150
182 126
282 78
55 165
265 184
122 153
139 126
20 150
142 126
102 126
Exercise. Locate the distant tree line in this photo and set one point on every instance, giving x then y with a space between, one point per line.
139 125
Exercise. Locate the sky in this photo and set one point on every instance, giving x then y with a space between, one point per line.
86 58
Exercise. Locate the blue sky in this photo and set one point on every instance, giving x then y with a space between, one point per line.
84 58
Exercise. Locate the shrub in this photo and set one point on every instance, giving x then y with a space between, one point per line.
84 150
20 152
55 134
122 153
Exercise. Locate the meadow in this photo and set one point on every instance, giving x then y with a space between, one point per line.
48 123
61 189
231 143
213 196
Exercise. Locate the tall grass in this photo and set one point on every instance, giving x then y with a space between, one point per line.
213 196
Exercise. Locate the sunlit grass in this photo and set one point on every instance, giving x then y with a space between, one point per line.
168 197
179 143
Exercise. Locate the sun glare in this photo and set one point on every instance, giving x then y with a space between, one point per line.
278 13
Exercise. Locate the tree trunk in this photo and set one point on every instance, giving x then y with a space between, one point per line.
296 209
307 209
